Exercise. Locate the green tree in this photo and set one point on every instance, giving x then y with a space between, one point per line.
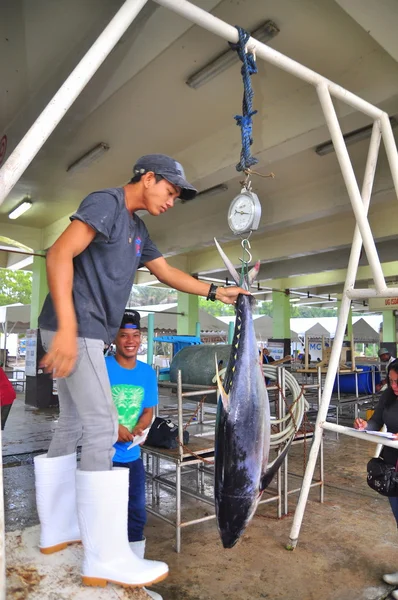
313 311
15 286
264 308
217 308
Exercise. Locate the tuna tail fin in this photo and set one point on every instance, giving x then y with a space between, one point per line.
223 394
228 264
270 472
254 272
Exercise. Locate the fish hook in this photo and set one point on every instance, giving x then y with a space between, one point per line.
246 249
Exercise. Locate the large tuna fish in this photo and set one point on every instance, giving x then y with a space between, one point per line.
243 426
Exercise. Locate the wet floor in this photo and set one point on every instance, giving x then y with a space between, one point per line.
345 545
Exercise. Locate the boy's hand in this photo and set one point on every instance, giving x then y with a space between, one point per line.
138 430
124 434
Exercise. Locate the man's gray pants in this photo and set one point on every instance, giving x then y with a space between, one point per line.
87 414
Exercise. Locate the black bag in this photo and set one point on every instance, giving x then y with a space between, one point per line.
164 434
382 477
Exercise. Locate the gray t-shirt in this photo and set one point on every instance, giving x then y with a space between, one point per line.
104 272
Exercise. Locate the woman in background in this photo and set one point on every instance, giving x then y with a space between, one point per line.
386 413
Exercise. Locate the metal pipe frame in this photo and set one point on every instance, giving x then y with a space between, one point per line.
162 479
228 32
351 184
321 462
358 434
352 268
280 378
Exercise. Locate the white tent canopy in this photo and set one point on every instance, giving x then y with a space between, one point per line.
15 318
167 319
262 327
363 332
317 331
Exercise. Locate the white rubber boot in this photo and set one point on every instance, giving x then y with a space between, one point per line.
139 549
391 579
56 501
102 498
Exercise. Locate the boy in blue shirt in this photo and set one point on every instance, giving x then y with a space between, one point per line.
135 393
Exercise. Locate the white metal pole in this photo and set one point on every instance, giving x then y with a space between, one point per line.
228 32
359 294
391 148
339 337
359 434
45 124
351 185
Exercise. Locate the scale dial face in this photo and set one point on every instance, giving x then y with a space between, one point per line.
244 213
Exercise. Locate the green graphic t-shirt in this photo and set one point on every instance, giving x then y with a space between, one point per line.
132 391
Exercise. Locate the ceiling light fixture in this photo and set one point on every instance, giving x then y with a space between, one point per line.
351 138
223 61
20 210
88 158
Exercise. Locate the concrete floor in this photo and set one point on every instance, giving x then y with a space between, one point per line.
345 545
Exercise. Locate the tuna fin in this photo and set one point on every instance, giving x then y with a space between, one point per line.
254 272
228 264
269 474
223 394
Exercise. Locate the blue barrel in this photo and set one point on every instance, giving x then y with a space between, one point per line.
347 382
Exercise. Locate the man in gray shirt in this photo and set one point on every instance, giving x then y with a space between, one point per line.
90 270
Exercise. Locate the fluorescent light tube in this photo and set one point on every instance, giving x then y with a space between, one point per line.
223 61
88 158
20 210
351 138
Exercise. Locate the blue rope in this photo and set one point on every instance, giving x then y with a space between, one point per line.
244 121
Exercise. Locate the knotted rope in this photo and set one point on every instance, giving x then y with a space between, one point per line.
244 121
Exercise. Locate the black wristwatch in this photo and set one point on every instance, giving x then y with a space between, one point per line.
212 292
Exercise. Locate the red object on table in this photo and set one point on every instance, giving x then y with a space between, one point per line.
7 392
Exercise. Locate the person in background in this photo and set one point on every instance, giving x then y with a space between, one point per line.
90 271
385 357
267 358
386 413
135 394
7 397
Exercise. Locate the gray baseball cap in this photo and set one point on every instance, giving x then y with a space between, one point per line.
383 351
168 168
